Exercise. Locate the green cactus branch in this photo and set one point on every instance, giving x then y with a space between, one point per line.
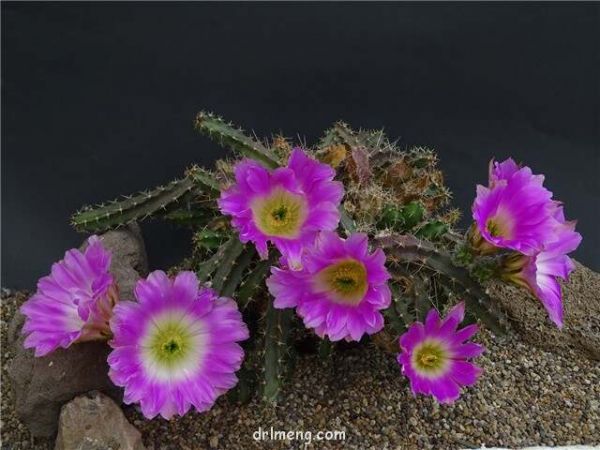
276 352
205 180
145 204
397 320
226 266
408 249
236 274
251 286
135 208
227 135
224 256
188 216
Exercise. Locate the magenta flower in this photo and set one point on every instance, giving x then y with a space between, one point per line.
516 211
176 347
502 171
434 355
340 289
539 273
287 206
72 304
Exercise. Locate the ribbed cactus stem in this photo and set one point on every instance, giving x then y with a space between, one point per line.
224 269
277 330
204 179
408 249
397 321
229 249
193 217
135 208
227 135
254 284
145 204
233 280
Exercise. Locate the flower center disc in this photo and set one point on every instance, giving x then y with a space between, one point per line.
344 281
500 225
493 228
430 358
173 346
170 344
280 214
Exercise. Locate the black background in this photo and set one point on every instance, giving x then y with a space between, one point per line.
98 99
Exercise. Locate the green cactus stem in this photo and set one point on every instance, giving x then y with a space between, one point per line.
143 205
136 208
276 351
227 135
236 275
253 284
224 256
408 249
190 217
396 320
227 265
432 231
207 240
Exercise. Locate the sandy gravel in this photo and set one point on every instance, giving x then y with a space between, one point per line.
540 387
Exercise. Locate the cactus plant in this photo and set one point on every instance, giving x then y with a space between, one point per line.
396 196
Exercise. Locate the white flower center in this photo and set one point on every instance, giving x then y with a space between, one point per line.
173 346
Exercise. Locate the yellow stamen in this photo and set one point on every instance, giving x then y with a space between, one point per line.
345 281
282 213
430 357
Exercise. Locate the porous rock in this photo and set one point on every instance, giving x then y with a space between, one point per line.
94 422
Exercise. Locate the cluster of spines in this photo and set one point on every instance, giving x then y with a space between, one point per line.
381 179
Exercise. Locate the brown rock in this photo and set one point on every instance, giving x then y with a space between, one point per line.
42 385
95 422
129 259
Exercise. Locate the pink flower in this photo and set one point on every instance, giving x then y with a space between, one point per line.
176 347
539 273
72 304
502 171
515 211
434 355
518 213
340 289
287 206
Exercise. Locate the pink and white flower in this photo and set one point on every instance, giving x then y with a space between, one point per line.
434 355
72 304
176 347
287 206
340 289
